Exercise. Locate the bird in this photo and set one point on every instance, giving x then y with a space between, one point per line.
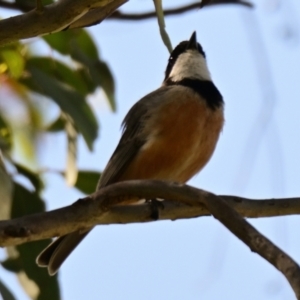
169 134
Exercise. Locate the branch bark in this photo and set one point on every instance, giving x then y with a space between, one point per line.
71 14
100 208
52 18
86 212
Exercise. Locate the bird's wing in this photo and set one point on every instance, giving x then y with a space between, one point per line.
133 137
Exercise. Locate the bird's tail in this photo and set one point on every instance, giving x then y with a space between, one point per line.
55 254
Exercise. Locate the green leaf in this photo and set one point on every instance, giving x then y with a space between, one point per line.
26 202
56 125
86 78
75 79
60 41
70 102
6 293
101 73
12 265
48 285
14 61
33 177
81 47
71 171
31 4
67 42
85 43
5 135
87 181
6 187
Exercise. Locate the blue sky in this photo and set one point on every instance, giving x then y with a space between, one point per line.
254 59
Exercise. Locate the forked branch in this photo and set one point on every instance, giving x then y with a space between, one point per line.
183 202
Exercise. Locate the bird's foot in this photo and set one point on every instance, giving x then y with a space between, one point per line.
155 206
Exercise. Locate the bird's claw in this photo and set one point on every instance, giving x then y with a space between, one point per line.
155 206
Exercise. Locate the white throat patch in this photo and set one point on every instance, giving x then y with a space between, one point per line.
190 64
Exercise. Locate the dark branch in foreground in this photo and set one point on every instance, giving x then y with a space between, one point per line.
99 208
25 7
173 11
71 14
54 17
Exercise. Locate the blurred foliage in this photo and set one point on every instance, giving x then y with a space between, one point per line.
35 281
73 71
5 292
87 181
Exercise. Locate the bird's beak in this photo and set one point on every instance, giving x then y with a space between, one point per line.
192 44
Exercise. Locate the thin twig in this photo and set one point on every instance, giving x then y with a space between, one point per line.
170 12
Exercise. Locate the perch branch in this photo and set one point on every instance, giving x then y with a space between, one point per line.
86 213
95 209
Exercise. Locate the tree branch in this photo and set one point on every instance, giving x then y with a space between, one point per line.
70 14
96 15
86 213
174 11
54 17
16 6
99 208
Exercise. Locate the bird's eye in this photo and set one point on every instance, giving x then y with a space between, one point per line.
171 60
